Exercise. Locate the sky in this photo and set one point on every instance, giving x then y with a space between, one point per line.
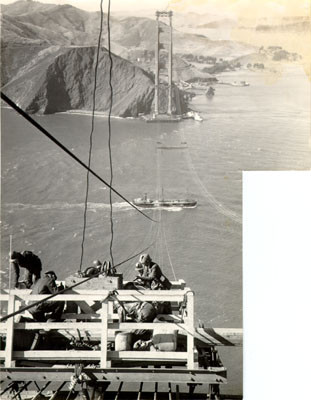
237 8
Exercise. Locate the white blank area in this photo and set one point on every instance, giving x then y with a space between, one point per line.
277 285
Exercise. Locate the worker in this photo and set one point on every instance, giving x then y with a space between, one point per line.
50 310
142 271
152 275
31 263
137 311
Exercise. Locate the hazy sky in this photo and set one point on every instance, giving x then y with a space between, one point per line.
238 8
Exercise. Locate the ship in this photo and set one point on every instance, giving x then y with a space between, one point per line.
235 83
90 352
241 83
146 202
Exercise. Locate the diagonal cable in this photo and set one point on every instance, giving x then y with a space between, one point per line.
66 150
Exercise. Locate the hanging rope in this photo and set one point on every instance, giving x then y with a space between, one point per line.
66 150
109 134
91 136
169 257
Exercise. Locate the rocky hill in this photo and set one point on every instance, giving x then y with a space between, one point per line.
67 82
47 55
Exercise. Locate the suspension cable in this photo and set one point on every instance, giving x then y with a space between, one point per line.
109 133
66 150
91 135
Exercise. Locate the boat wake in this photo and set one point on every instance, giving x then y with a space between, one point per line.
168 208
121 206
67 206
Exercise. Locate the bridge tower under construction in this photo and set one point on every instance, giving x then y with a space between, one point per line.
167 45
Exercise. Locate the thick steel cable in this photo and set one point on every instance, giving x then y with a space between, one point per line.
66 150
91 136
109 134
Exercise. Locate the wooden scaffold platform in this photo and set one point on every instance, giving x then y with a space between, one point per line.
79 356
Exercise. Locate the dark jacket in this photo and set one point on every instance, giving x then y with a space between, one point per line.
155 277
31 263
153 272
54 309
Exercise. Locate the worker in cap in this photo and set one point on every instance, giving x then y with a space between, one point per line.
51 274
152 276
145 259
30 262
49 310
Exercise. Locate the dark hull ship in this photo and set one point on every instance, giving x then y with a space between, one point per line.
146 202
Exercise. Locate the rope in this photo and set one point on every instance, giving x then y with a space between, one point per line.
91 136
169 257
109 133
66 150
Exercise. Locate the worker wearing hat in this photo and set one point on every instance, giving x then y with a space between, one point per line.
30 262
49 310
152 275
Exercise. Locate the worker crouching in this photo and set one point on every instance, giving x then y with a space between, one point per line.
28 261
151 274
49 310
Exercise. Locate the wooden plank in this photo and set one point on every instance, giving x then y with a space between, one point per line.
97 326
124 295
57 355
96 355
58 325
147 325
10 333
190 330
176 285
118 374
104 335
4 326
220 336
147 355
81 317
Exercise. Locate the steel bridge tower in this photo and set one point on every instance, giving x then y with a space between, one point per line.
159 47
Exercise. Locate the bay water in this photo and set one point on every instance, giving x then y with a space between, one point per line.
264 126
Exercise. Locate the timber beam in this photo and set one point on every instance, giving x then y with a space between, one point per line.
211 375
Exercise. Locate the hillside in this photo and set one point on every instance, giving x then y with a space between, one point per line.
66 83
38 41
67 25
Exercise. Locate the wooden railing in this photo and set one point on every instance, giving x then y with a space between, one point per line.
103 323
